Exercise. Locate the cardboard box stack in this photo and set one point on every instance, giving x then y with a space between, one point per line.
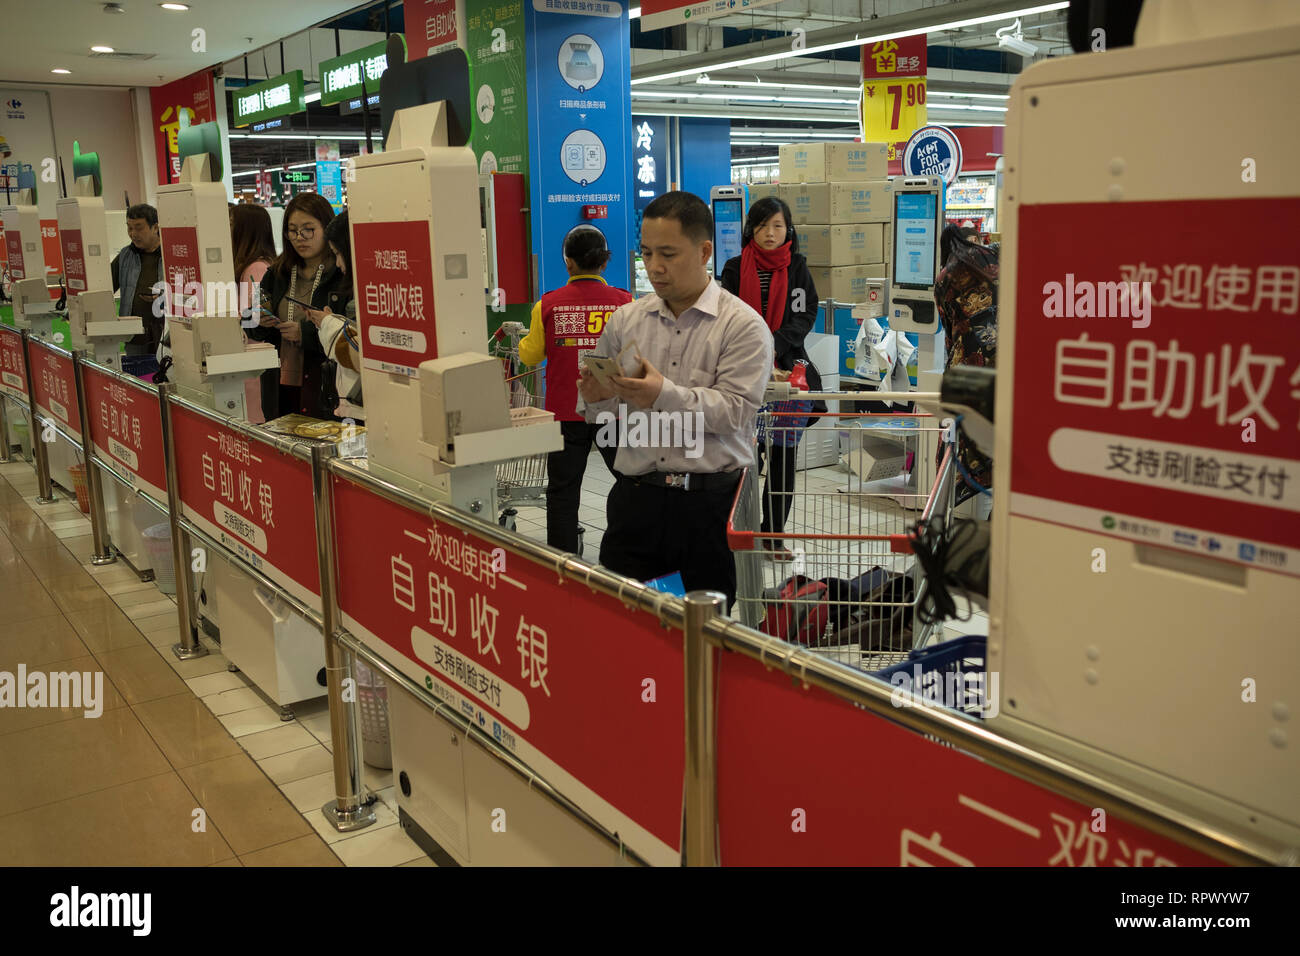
842 202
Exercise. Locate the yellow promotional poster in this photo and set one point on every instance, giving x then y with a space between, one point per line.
892 103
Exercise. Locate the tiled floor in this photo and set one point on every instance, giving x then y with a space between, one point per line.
175 737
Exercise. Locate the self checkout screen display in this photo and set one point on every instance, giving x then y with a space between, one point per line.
728 220
916 221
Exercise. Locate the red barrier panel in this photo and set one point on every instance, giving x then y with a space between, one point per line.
808 779
126 430
55 386
251 497
13 365
557 674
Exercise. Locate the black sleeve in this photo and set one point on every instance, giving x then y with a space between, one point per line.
796 325
730 279
113 268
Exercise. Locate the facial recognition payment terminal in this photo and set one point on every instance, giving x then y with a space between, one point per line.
728 203
918 221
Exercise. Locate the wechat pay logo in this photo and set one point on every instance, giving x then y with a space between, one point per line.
1108 522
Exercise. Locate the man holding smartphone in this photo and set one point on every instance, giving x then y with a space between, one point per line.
136 270
703 352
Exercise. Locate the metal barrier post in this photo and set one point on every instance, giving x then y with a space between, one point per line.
349 810
700 839
103 549
189 646
5 455
45 494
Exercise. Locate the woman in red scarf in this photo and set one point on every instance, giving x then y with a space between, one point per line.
773 278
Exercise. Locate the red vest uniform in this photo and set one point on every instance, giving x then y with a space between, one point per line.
573 317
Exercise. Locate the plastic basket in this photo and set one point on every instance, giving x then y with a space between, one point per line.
372 697
158 545
951 674
78 475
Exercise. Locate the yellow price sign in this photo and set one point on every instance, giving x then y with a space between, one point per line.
892 109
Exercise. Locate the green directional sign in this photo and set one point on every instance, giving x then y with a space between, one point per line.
340 77
279 96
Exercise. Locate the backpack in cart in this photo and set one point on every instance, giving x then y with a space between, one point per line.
795 611
873 610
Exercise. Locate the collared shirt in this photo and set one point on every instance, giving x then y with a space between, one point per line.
716 360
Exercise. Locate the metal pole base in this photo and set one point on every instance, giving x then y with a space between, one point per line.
286 713
99 560
345 821
46 501
184 653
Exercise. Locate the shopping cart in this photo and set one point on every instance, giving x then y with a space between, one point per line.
839 575
519 480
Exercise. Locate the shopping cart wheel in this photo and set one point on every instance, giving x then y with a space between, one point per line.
507 519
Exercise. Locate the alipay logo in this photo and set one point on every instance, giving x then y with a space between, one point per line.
1246 551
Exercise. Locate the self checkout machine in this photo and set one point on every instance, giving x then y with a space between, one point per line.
729 205
277 650
93 322
438 419
33 308
1143 619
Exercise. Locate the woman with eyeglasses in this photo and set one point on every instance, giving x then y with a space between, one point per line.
304 271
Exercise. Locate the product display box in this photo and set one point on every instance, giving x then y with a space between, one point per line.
762 191
846 283
833 162
852 245
838 204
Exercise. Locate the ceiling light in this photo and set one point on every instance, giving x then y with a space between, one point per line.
857 41
59 69
101 49
774 98
633 13
930 104
311 98
802 86
175 6
669 109
359 138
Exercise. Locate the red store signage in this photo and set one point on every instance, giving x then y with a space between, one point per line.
126 430
194 95
74 260
56 389
1170 416
181 269
431 26
251 497
13 369
14 254
555 673
395 295
788 796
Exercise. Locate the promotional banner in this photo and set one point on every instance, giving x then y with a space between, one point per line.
494 35
892 105
13 366
250 497
579 129
789 798
432 26
527 657
394 283
126 430
656 14
193 95
1164 365
55 389
329 182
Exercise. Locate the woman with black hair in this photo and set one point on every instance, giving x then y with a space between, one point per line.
336 326
566 326
773 279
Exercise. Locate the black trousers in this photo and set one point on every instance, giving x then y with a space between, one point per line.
778 490
564 471
656 531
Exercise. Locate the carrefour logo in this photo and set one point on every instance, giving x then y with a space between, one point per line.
14 104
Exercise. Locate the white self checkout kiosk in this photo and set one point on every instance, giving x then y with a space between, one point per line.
93 321
1161 658
33 309
438 425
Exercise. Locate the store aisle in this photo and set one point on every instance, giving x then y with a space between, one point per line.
123 788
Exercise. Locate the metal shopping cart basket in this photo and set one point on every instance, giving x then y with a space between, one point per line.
837 575
519 480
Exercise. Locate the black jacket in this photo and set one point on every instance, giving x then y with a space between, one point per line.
795 326
334 291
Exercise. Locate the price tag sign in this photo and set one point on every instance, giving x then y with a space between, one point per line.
892 110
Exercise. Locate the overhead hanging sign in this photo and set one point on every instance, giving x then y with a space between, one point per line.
665 13
279 96
892 104
341 76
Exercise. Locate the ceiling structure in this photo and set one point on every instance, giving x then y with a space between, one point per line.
798 76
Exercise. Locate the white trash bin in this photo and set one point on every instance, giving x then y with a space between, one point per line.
158 545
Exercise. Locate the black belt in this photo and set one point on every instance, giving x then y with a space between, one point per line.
689 481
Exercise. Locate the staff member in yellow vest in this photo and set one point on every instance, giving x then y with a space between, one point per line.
566 325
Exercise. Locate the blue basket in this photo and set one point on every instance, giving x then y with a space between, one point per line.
951 674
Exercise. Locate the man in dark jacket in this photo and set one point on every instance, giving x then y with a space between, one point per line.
136 271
